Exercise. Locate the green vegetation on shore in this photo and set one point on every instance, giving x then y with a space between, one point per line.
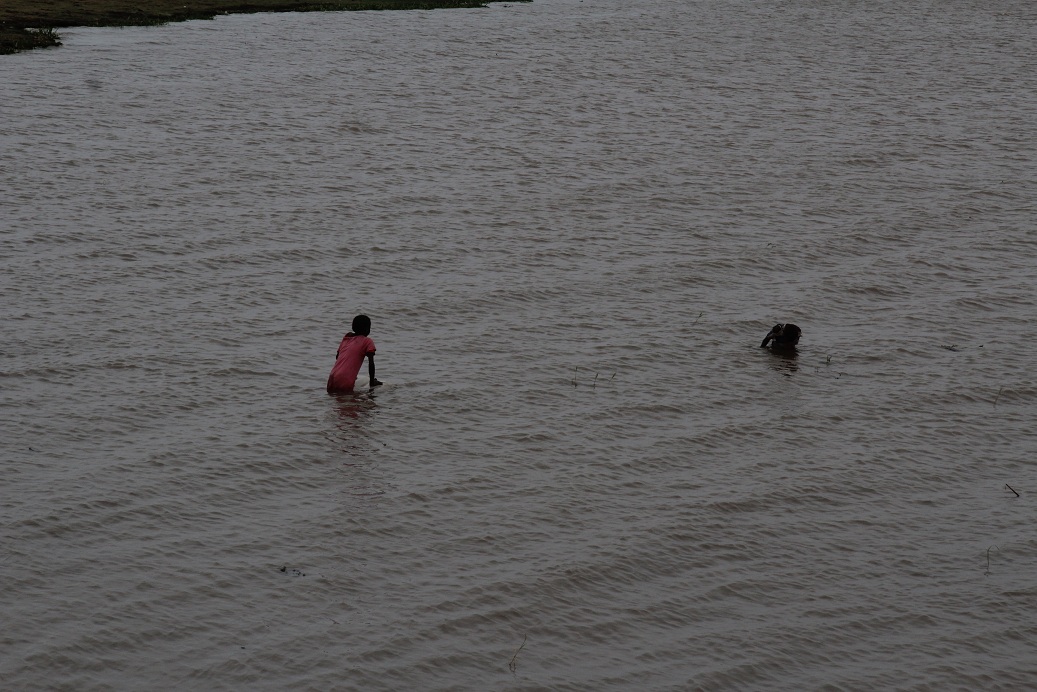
26 24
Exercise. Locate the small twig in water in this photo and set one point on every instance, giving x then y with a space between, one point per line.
512 665
594 382
696 320
988 561
1012 489
998 396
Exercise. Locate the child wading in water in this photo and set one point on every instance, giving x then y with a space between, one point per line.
350 356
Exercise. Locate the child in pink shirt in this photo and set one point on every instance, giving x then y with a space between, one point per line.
350 356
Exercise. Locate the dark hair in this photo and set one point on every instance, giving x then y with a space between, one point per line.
362 325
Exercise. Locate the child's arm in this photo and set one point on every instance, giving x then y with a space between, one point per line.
370 370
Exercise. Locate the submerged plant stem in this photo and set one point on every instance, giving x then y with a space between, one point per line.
513 664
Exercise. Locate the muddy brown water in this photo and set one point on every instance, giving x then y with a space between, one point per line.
572 223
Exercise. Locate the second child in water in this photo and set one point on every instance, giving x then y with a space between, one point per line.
355 346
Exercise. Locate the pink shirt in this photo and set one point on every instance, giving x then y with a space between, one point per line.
350 357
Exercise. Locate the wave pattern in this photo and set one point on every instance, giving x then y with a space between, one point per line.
572 223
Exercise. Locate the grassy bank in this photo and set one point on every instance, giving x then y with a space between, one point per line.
26 24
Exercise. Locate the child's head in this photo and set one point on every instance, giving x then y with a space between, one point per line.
362 325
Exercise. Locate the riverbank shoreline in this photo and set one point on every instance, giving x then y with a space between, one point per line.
29 24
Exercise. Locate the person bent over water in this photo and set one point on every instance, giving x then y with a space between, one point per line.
782 336
355 346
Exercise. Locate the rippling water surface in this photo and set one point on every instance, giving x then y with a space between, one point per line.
572 223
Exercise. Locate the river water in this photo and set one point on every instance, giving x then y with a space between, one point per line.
572 224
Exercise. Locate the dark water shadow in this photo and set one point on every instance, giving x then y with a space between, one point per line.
784 360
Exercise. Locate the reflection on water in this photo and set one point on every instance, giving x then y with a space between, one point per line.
353 412
353 405
785 360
